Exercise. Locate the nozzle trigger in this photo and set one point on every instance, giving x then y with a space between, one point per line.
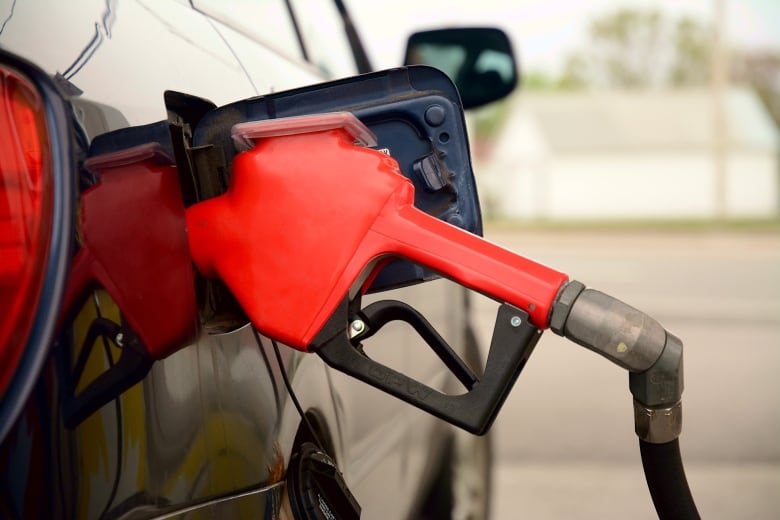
514 338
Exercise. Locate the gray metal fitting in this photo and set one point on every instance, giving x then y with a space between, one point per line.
624 335
562 305
658 425
661 384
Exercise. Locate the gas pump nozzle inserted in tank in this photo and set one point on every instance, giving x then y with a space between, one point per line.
310 213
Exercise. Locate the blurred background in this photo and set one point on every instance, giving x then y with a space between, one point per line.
641 155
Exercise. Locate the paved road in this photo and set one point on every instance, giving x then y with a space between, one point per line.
564 442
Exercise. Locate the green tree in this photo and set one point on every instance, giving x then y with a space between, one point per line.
761 71
627 48
574 75
631 48
693 54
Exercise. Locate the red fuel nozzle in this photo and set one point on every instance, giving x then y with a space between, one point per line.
309 213
135 247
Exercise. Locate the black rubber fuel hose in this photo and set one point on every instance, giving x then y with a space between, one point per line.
666 480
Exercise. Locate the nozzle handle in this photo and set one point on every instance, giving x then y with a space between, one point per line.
514 339
468 259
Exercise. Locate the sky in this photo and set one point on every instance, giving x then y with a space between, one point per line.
544 31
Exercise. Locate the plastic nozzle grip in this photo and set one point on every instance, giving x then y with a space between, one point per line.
307 216
132 224
291 223
472 261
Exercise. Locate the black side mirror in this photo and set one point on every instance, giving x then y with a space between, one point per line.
479 60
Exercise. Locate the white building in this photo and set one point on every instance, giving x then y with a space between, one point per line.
630 155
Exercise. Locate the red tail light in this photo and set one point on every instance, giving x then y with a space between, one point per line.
25 214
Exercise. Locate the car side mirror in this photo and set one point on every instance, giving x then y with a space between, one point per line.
478 59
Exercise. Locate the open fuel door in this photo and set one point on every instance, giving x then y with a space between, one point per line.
415 114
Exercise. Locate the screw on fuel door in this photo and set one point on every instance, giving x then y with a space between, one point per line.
316 489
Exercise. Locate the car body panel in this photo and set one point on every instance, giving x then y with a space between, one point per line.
214 419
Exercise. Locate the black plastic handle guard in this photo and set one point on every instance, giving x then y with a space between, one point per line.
514 339
380 313
133 365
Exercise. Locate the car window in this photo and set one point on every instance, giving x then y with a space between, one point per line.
325 37
266 21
